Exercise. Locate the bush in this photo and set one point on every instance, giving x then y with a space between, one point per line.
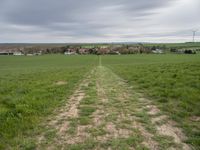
189 52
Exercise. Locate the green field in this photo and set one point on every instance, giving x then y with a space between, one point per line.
34 89
175 45
171 81
28 92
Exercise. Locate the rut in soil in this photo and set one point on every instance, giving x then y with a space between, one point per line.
106 113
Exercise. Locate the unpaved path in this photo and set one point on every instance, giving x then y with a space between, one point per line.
106 113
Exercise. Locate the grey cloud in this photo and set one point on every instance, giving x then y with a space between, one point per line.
89 19
43 12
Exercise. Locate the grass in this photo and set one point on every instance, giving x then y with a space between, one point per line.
87 145
87 105
28 92
171 81
97 131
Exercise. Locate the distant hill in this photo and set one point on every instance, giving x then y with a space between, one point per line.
175 45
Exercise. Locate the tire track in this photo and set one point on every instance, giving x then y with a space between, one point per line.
122 117
61 122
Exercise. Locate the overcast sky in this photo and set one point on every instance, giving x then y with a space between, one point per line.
98 20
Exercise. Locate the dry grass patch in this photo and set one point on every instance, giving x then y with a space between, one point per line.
60 83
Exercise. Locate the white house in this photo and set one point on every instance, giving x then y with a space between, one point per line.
18 54
70 53
157 51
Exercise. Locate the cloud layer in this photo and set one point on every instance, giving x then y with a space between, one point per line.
98 20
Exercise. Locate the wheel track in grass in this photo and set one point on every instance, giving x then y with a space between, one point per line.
59 123
114 96
123 119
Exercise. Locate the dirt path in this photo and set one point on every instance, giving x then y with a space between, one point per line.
106 113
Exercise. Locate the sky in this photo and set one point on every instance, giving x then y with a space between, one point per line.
90 21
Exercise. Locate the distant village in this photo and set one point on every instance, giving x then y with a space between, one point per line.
88 49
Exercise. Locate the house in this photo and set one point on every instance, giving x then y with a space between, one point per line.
114 52
69 53
71 49
103 51
83 51
179 51
118 53
157 51
38 53
135 49
18 54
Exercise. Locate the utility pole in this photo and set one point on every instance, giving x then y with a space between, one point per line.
194 33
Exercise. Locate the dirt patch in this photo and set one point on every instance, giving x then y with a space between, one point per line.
101 92
111 129
63 128
113 133
195 118
117 101
80 136
148 137
152 110
60 121
70 110
60 83
73 111
142 99
159 119
125 123
98 117
168 129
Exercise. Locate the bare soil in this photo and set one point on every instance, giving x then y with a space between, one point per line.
121 114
